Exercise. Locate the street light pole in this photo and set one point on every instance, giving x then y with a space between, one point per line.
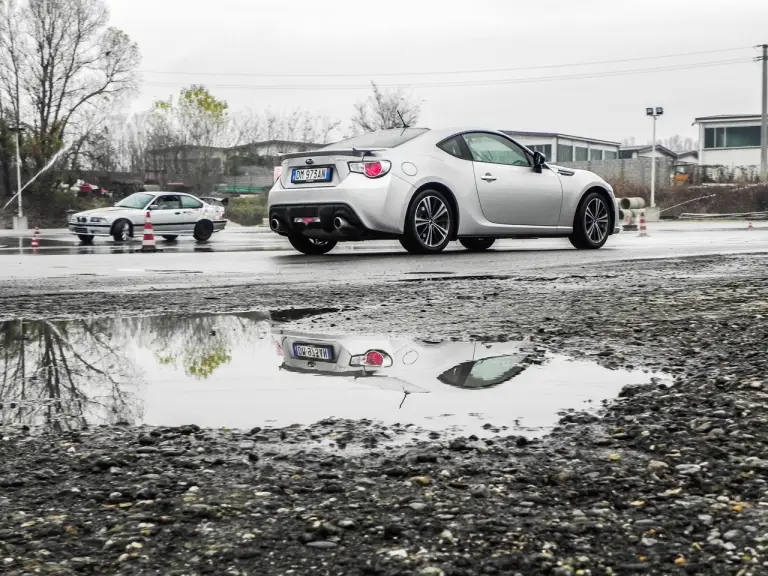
655 113
18 170
764 131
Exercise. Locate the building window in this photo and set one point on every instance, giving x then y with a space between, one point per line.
610 155
582 154
626 154
564 153
545 149
732 137
595 154
742 136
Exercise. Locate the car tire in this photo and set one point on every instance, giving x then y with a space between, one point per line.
203 231
86 239
311 246
122 231
429 223
592 223
170 238
477 244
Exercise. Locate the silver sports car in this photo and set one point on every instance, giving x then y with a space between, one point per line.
427 188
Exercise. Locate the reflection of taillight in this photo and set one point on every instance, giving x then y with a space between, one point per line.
373 359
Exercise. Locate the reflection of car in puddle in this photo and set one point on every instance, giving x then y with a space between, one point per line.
399 364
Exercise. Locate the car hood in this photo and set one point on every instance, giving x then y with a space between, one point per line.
102 211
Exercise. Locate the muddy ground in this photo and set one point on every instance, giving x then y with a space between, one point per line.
671 479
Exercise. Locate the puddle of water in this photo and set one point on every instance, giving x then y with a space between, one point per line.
238 371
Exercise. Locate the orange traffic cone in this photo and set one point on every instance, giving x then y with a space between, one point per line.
148 244
35 236
643 231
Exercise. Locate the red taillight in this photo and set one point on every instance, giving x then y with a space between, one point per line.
374 359
373 169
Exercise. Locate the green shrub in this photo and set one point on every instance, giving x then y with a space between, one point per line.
248 210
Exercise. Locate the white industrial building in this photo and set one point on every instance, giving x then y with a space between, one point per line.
730 140
565 148
646 151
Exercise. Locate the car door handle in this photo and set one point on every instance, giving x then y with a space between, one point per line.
488 178
177 212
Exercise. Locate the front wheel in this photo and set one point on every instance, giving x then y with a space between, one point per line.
591 224
477 244
170 238
428 224
311 246
121 231
86 239
203 231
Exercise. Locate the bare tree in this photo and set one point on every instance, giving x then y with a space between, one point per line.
62 70
384 110
678 143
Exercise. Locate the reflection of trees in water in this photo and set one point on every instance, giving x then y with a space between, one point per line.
62 374
199 344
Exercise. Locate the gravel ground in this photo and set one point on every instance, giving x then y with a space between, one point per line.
670 480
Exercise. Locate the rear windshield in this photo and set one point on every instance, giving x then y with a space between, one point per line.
380 139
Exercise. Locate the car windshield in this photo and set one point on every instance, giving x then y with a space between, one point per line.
135 201
380 139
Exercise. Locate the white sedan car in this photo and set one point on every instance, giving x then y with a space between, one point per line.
172 214
428 187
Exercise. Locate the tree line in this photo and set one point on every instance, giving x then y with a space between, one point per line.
67 77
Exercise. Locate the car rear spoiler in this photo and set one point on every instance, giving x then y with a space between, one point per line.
357 152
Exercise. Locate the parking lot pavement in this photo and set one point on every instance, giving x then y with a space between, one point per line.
247 255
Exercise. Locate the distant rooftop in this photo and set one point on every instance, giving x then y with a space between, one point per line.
648 148
726 117
559 135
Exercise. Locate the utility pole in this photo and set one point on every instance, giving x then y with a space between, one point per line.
654 113
19 223
764 132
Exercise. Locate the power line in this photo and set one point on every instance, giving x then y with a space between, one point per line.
446 72
503 81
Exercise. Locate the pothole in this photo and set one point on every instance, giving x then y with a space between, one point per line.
242 370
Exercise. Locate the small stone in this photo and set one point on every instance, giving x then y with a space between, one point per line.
422 480
446 535
657 466
431 571
649 542
733 534
322 544
398 553
688 469
347 524
417 506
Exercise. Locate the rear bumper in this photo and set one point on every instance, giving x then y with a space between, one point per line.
378 204
316 220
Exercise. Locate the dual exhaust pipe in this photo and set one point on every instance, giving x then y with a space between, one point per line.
339 224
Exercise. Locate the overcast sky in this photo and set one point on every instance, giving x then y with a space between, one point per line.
199 41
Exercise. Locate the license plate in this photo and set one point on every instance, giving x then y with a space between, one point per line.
81 230
313 352
309 175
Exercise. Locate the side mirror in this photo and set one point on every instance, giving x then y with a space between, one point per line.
538 161
153 207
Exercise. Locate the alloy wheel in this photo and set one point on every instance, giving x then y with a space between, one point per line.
596 220
125 232
432 221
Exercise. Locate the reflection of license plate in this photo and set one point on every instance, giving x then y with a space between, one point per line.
308 175
80 230
312 352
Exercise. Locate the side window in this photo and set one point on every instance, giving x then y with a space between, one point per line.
494 149
189 202
169 203
452 146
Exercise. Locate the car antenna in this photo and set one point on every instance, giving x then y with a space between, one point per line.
405 126
405 395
